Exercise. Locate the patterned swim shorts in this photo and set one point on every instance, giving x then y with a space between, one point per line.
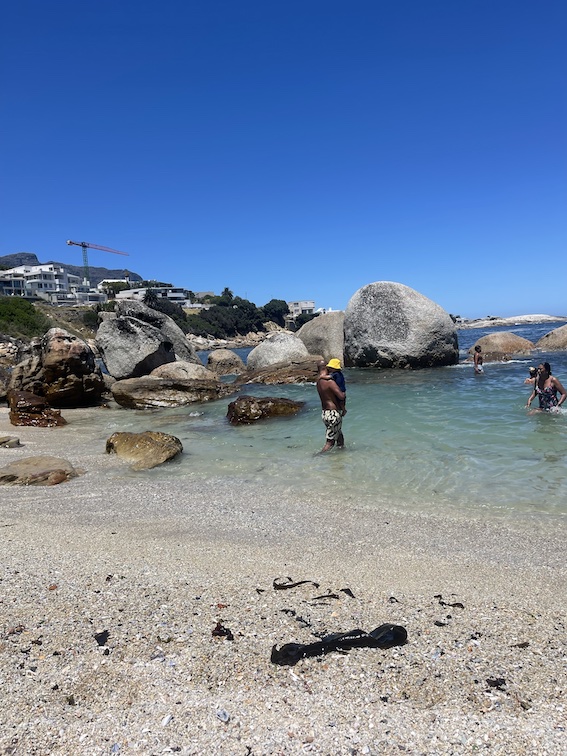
333 423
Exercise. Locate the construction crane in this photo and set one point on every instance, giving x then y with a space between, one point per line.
87 245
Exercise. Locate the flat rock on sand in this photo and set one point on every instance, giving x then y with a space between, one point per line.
111 597
37 471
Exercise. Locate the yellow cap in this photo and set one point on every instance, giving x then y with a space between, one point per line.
334 364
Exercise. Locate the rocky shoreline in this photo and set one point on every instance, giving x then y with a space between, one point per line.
139 618
512 321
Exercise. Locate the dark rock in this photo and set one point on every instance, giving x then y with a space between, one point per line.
62 369
28 409
249 409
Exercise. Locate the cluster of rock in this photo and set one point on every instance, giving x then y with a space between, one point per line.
504 345
149 363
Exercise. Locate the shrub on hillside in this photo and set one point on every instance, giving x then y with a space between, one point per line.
18 318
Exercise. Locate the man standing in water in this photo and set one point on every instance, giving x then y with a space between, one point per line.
332 406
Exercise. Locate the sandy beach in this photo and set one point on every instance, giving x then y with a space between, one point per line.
110 595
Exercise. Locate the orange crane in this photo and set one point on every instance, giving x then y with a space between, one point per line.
87 245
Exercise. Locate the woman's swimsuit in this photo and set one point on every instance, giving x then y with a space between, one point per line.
547 397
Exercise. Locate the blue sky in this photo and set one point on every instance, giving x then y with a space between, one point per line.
294 149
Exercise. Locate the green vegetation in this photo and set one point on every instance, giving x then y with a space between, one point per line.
20 319
305 318
227 317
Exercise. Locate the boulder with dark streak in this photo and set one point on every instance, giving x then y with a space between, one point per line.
249 409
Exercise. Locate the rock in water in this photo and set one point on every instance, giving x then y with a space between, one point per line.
225 362
501 345
389 325
280 347
145 450
249 409
554 340
148 392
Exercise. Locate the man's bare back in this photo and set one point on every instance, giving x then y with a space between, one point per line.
330 394
332 408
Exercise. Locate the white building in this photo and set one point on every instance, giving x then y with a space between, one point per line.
50 282
302 307
171 293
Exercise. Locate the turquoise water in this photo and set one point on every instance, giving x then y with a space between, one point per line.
429 440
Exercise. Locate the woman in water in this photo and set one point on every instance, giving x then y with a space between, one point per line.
546 388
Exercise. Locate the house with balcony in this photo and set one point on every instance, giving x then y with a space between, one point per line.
301 307
50 282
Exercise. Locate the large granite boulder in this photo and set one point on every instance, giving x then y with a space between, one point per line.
131 348
279 347
129 308
149 392
325 335
389 325
144 450
183 370
135 339
304 371
554 341
37 471
502 345
63 370
248 409
28 409
225 362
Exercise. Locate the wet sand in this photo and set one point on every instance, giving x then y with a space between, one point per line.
111 591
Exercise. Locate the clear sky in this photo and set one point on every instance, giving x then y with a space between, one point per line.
294 149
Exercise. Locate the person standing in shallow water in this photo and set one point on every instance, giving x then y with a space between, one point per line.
546 388
478 360
332 408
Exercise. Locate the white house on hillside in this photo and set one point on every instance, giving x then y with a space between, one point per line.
302 307
50 282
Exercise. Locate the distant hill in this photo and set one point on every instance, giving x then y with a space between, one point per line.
96 274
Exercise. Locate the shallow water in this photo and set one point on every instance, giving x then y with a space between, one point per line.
429 440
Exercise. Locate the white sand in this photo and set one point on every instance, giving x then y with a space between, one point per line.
158 566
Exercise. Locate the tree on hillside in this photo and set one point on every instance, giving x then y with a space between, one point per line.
113 287
276 310
304 318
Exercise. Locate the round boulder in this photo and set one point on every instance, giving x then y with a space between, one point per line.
502 345
280 347
555 340
225 362
324 335
389 325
